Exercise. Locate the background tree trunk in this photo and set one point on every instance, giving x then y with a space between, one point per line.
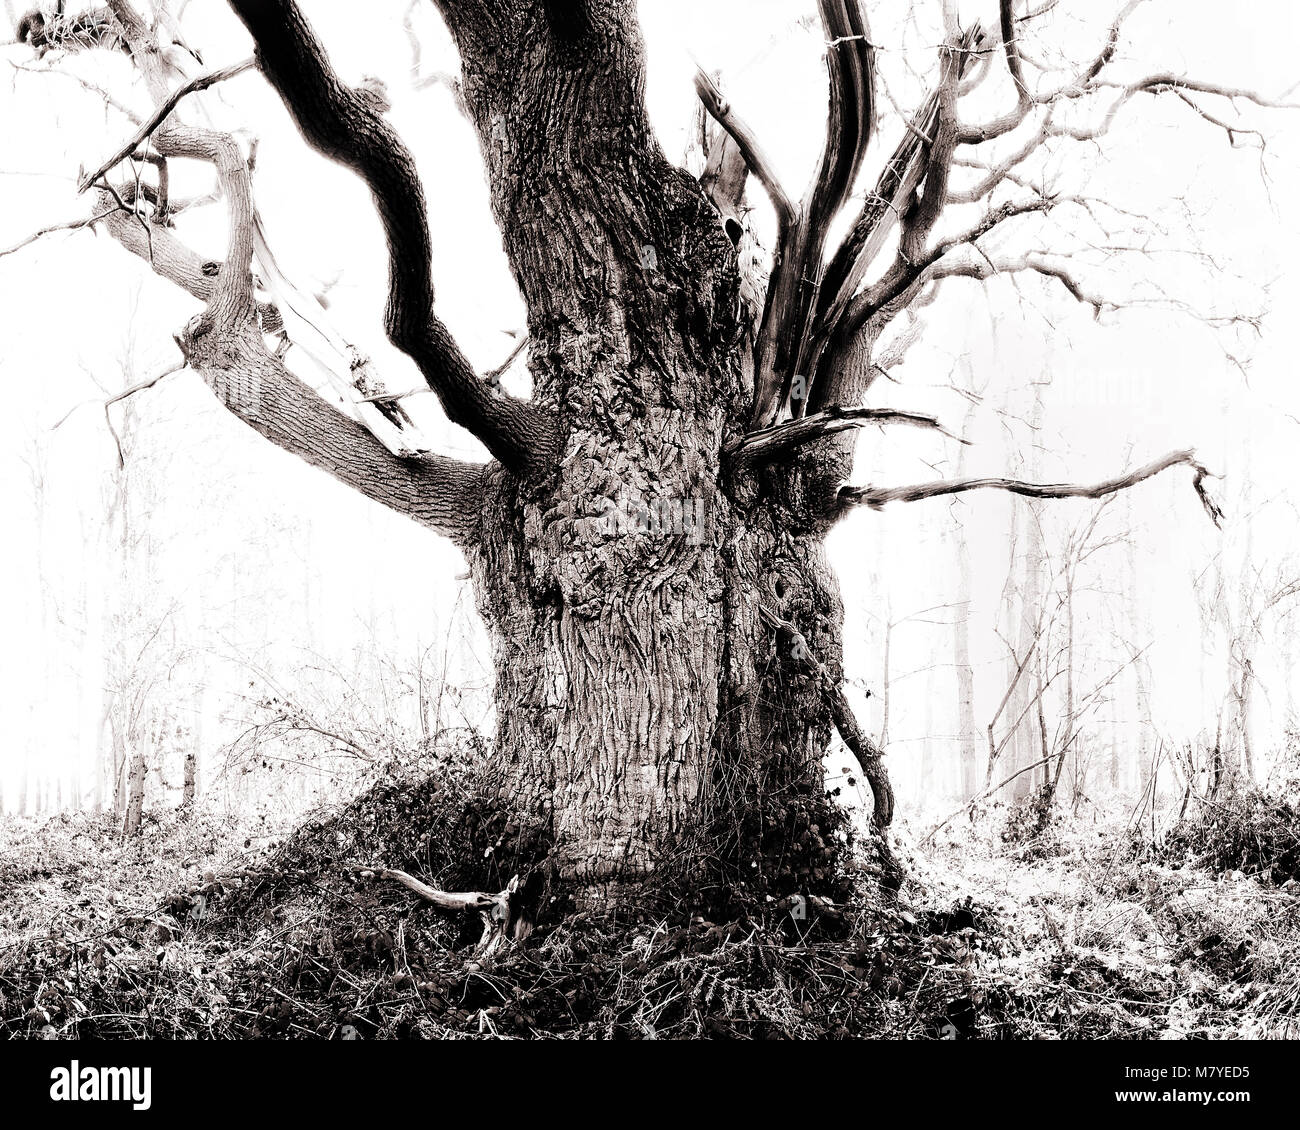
968 734
135 786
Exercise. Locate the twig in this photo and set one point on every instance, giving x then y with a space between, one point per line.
66 225
720 110
199 82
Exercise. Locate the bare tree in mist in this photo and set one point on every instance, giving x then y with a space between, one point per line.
646 543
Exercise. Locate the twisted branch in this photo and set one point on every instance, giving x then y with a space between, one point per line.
877 497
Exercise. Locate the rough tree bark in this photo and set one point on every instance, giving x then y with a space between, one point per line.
647 543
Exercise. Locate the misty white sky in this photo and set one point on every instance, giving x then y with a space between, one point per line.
78 312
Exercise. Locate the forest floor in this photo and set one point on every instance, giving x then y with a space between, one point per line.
1089 930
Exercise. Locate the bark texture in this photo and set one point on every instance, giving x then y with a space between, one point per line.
636 675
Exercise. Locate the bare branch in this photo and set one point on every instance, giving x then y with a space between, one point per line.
172 259
1026 102
225 343
983 268
117 397
86 84
1006 14
876 497
790 315
201 82
884 207
907 273
852 115
50 229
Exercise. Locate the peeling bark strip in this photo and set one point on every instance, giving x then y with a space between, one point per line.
345 126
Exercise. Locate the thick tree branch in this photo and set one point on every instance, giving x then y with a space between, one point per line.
851 119
444 495
1007 21
876 497
172 259
912 162
225 343
790 314
919 219
345 126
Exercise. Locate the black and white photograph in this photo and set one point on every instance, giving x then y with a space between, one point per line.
627 520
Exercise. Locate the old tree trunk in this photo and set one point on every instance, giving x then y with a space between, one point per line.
625 593
647 542
666 629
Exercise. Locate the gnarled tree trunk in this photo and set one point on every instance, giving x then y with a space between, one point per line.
664 630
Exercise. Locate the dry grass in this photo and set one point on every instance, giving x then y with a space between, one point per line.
1085 933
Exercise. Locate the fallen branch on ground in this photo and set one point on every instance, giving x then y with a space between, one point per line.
502 922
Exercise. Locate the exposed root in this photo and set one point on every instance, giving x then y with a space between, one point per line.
869 755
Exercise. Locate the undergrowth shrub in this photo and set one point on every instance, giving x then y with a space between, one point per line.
1249 831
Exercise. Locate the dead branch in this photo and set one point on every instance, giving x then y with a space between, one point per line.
503 924
757 160
129 391
50 229
877 497
771 443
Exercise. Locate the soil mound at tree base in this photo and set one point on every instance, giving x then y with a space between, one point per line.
294 941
